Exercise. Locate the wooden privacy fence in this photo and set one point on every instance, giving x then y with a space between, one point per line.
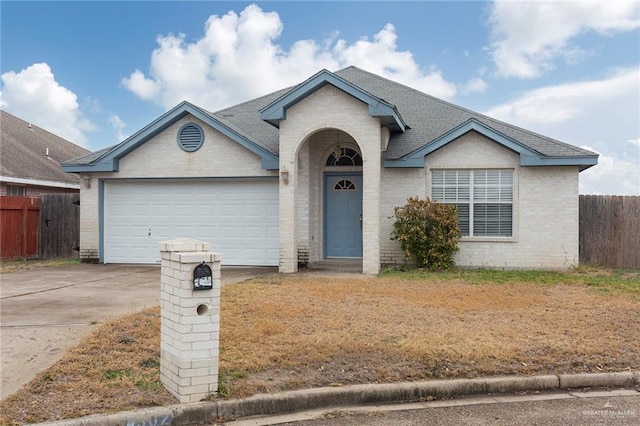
59 229
44 228
18 227
610 230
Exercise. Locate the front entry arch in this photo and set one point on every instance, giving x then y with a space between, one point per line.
343 214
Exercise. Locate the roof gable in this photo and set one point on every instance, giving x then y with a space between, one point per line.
387 112
108 160
528 156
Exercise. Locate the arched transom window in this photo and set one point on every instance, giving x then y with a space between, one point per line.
345 185
344 157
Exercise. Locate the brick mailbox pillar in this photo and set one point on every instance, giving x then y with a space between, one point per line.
190 312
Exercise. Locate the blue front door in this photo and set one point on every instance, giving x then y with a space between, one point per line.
343 215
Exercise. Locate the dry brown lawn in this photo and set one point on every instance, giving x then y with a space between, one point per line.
293 332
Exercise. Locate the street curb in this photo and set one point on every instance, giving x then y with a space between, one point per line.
327 397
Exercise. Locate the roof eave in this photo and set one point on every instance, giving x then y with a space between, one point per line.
584 162
91 168
39 182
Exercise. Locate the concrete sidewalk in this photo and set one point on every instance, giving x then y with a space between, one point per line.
45 311
353 396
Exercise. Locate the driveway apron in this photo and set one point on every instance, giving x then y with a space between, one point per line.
45 311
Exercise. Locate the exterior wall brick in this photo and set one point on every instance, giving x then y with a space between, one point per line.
397 186
219 156
328 108
161 157
545 208
89 221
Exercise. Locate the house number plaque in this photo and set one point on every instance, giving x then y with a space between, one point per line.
202 277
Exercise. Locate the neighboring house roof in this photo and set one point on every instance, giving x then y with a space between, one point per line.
419 123
32 155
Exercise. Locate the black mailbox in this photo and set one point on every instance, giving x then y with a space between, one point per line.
202 277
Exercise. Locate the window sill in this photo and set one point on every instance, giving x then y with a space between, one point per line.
488 239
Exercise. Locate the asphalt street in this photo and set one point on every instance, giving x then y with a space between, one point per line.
621 407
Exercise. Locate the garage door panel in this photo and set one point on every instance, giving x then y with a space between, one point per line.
207 230
272 211
119 252
229 232
182 210
252 232
185 230
229 253
252 210
228 210
119 232
138 210
238 219
272 232
161 203
252 254
119 210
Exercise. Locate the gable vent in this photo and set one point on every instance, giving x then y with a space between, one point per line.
190 137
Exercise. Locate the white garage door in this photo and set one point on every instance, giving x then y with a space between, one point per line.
238 218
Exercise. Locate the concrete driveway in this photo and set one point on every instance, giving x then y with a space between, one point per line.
45 311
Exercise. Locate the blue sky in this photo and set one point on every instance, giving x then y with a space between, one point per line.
96 72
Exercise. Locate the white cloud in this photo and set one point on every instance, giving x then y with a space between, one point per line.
634 143
381 56
474 85
600 113
557 104
89 103
119 125
529 36
613 175
34 95
238 58
137 83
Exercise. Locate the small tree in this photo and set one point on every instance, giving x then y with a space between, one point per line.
428 232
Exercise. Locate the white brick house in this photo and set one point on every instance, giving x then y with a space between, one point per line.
314 172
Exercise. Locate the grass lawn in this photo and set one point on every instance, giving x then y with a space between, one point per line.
300 331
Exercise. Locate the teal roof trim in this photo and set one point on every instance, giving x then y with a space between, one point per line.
528 156
109 161
584 162
388 113
91 167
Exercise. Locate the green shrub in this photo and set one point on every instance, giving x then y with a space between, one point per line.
428 232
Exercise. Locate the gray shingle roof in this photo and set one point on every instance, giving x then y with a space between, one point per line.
23 152
428 118
246 116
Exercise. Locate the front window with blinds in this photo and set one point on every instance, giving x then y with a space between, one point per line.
484 199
